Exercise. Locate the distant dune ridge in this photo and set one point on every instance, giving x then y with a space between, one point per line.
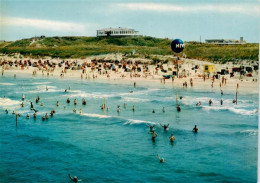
135 47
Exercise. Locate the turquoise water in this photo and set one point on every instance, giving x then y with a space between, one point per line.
100 146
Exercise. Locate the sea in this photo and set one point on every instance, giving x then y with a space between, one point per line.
107 146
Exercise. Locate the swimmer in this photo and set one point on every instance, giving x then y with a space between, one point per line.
46 116
161 159
133 108
181 97
195 129
13 112
153 111
163 109
75 179
28 117
154 135
102 107
165 127
178 108
234 101
43 118
210 102
31 105
57 103
172 138
75 101
118 109
42 104
198 104
68 100
23 97
130 91
6 111
65 90
84 102
151 127
34 115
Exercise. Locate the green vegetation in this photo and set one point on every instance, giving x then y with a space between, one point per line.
145 47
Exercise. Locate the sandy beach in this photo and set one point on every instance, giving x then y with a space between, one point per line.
93 69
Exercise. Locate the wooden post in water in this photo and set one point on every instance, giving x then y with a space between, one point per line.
236 96
176 99
16 117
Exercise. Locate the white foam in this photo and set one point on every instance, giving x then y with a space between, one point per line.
250 132
132 99
7 84
231 109
95 115
41 83
136 121
5 102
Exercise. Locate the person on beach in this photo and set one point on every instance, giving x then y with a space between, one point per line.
161 159
75 179
195 129
172 138
210 102
68 100
165 127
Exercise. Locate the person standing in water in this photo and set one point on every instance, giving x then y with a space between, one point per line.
154 135
161 159
133 108
210 102
75 179
134 84
172 138
163 109
221 102
165 127
195 129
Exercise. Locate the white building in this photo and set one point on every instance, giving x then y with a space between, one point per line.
225 41
120 31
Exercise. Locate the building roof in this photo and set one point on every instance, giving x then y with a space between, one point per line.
115 29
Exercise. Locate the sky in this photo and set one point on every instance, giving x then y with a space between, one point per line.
183 19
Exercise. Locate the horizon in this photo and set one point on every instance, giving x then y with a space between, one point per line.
165 19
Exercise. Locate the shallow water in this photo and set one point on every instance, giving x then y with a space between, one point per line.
104 146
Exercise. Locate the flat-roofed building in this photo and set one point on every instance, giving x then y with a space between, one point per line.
225 41
120 31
